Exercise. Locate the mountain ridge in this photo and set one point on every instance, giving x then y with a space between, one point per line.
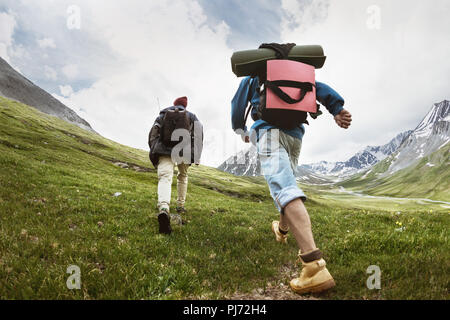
361 160
246 162
432 133
15 86
419 166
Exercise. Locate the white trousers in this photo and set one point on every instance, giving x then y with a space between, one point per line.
165 175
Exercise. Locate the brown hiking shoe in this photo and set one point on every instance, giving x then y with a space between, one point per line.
314 277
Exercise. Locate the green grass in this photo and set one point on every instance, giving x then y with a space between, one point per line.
57 209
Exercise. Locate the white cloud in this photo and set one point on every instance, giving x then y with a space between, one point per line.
66 91
166 51
70 71
50 73
301 15
130 54
4 51
46 43
7 26
389 77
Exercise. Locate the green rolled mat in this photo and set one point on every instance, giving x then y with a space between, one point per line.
249 62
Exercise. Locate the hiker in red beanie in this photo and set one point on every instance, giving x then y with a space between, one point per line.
182 101
165 153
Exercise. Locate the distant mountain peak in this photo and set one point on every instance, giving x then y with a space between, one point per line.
244 163
439 112
430 135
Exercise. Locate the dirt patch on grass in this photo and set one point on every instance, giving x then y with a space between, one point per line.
131 166
277 289
271 293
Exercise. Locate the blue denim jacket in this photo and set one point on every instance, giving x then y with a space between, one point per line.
247 92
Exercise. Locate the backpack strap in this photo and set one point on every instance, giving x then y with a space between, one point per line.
275 87
281 50
249 108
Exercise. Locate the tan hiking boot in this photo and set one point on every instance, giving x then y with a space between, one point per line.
282 238
314 277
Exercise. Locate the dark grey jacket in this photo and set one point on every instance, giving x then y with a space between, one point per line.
157 148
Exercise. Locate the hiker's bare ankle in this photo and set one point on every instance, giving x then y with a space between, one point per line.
308 248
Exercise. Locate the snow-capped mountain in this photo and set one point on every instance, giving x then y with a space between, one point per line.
244 163
360 161
430 135
308 177
421 165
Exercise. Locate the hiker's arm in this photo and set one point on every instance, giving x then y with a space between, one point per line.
238 106
343 119
198 140
246 93
334 104
329 98
154 133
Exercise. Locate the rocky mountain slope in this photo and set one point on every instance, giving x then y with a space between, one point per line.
15 86
244 163
419 166
431 134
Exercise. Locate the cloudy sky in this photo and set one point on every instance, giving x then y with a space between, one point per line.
112 61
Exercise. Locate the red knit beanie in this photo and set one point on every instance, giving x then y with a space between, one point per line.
181 102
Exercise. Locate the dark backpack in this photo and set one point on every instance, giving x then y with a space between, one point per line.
174 119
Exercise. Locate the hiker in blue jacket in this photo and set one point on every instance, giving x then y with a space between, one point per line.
278 151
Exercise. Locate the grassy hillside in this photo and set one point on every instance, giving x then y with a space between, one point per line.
429 178
57 208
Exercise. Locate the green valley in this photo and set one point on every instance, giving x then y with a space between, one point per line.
71 197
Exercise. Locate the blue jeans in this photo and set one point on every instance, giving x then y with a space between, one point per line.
279 153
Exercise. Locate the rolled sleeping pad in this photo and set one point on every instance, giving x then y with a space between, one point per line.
249 62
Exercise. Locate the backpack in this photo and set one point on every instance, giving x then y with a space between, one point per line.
288 94
288 90
174 119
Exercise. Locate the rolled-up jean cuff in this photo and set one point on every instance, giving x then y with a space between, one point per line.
287 195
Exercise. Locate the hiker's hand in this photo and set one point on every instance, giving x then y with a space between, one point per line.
247 139
343 119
